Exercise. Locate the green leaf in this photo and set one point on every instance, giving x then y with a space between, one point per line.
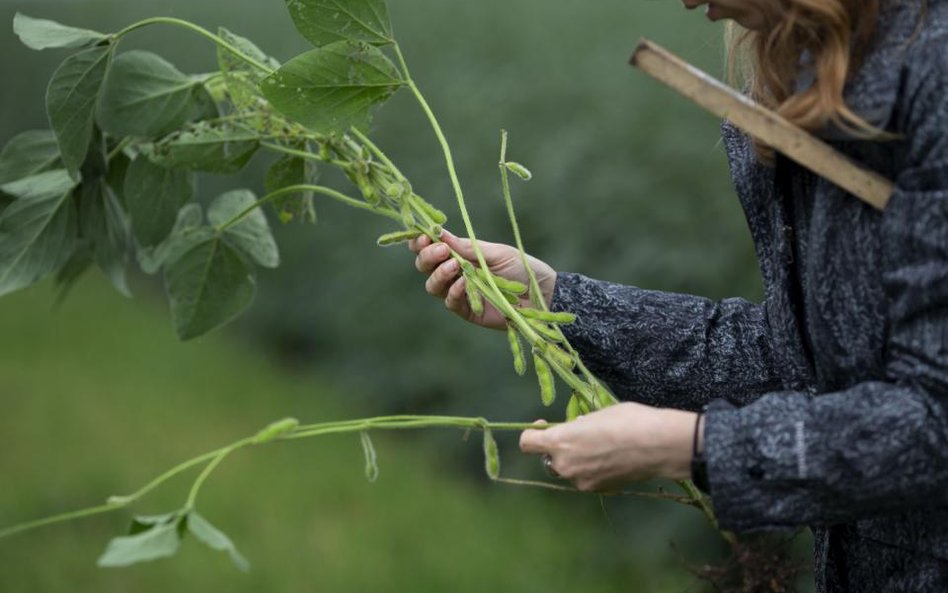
46 184
289 171
142 523
37 233
371 459
208 286
27 154
334 87
252 234
215 539
115 176
159 540
70 272
243 80
323 22
229 62
146 96
219 148
104 224
153 196
188 231
71 100
42 34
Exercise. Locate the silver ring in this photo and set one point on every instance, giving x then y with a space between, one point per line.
548 466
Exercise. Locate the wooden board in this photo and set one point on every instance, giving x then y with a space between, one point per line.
762 123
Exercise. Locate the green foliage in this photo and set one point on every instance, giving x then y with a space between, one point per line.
215 539
38 230
151 538
323 22
146 96
221 148
71 101
153 196
333 88
27 154
104 226
42 34
208 285
293 171
235 214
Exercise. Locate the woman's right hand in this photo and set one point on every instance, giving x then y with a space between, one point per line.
445 280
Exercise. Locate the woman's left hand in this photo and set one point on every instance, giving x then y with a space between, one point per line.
623 443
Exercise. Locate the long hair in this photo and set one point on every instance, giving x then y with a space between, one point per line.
803 40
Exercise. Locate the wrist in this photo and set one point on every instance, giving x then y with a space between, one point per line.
681 448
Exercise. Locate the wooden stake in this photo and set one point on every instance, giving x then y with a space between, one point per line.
760 122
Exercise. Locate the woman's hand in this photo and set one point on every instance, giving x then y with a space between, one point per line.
627 442
445 281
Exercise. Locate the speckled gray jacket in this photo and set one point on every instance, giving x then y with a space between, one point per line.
827 404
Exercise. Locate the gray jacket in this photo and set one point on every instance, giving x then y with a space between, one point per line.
827 404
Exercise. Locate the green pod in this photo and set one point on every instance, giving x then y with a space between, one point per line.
545 378
371 459
468 268
436 216
545 330
604 397
275 430
511 298
560 357
548 316
491 455
474 298
324 153
408 218
519 170
516 348
505 285
397 237
576 407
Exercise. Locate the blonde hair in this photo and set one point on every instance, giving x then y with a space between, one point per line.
825 39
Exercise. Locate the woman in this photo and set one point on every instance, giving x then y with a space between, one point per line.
827 405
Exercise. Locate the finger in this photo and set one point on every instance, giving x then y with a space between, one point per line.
456 299
419 243
431 257
534 442
464 247
442 278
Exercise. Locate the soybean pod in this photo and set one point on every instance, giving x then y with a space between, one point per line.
545 378
275 430
491 455
397 237
474 298
548 316
516 348
545 330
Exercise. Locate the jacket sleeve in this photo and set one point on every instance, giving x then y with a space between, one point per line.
792 459
667 349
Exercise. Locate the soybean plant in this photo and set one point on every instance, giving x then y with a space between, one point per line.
114 181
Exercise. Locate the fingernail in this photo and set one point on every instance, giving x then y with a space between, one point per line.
442 251
453 266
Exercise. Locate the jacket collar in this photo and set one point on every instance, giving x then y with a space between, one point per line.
873 89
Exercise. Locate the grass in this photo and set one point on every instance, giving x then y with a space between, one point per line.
96 397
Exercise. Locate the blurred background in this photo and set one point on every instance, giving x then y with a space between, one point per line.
97 396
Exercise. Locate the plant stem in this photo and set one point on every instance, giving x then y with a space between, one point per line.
537 300
319 189
301 154
200 31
